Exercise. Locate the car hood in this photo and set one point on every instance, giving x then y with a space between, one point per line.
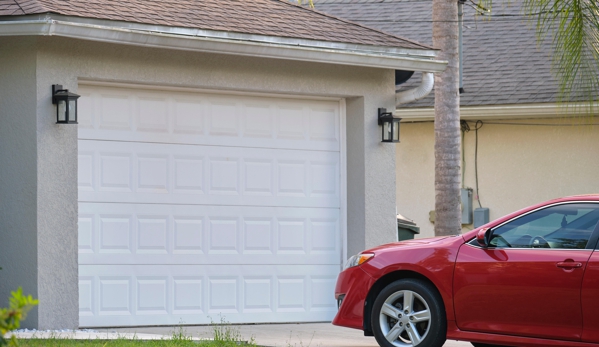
409 243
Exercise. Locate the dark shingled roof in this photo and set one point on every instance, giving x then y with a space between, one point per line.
261 17
503 63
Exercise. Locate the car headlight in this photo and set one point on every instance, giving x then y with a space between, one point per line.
358 259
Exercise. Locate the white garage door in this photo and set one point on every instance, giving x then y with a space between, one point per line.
196 206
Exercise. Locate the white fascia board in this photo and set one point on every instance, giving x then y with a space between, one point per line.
245 45
537 110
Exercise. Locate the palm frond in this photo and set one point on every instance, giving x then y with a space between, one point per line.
310 3
574 25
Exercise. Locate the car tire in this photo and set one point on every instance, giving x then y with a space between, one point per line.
408 313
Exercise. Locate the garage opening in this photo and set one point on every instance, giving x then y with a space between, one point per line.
198 205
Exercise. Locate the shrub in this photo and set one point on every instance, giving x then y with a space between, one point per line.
11 317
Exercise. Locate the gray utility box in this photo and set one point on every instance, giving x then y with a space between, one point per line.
481 216
466 197
406 229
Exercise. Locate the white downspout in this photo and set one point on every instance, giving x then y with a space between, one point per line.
425 87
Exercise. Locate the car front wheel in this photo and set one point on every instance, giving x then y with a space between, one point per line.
409 313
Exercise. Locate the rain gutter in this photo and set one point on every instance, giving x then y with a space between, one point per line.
521 111
199 40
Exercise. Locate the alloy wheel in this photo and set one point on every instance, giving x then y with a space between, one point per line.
405 318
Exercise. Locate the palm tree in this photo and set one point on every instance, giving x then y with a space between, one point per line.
574 27
447 120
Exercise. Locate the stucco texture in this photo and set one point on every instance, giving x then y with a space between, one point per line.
518 165
52 158
18 170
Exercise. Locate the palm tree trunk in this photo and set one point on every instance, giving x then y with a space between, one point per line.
447 120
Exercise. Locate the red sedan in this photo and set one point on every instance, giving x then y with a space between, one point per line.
528 279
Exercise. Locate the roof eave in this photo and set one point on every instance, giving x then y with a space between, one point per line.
507 111
190 39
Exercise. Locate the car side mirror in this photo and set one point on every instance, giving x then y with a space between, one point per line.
483 237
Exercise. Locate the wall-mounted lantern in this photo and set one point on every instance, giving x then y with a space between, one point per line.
390 126
66 105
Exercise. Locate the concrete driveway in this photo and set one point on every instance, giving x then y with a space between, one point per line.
284 335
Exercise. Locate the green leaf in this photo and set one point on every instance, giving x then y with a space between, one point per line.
574 26
11 317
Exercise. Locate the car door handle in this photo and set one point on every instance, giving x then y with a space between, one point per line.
569 265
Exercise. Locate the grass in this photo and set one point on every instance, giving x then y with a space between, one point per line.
301 344
223 336
65 342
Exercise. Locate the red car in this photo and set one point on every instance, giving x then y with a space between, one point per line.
528 279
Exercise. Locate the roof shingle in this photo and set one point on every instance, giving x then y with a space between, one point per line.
10 8
503 63
265 17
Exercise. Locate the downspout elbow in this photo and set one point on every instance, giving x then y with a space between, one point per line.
425 87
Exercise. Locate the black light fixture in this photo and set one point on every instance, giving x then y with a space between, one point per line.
390 126
66 105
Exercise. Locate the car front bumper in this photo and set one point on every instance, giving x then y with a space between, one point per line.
352 287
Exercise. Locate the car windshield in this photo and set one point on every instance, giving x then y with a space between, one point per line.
563 226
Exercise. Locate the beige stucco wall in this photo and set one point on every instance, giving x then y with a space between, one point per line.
52 149
518 165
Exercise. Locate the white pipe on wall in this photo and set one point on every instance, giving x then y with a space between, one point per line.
425 87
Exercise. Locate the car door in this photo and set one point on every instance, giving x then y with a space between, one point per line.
590 300
528 282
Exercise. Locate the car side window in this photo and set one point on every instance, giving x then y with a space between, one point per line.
567 226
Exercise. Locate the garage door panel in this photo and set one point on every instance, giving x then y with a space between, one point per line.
182 174
182 234
115 295
125 114
196 205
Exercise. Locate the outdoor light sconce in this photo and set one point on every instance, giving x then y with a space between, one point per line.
66 105
390 126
